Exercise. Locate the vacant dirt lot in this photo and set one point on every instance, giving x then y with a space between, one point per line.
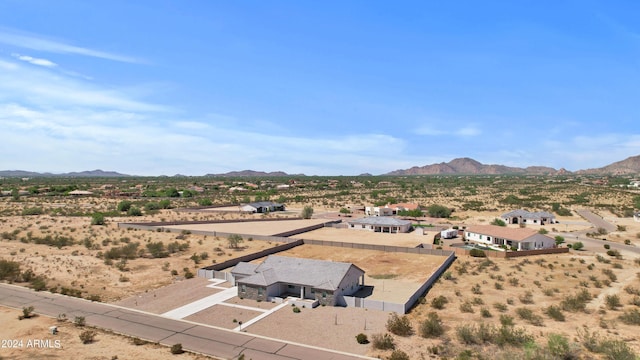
252 227
106 346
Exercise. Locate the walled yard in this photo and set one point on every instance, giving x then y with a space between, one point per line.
264 228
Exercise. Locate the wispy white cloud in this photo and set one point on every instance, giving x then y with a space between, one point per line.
35 61
20 83
40 43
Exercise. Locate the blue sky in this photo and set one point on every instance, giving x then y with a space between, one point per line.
321 88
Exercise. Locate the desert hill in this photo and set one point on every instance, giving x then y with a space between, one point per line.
469 166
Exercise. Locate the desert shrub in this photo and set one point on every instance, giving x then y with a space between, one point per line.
399 325
614 253
97 219
398 355
9 270
616 350
296 309
527 298
498 222
27 312
439 302
176 349
559 347
607 246
124 205
466 307
609 273
307 212
612 301
476 289
362 338
157 249
432 326
382 342
528 315
32 211
506 320
500 307
87 336
438 211
79 321
554 312
485 313
509 335
578 245
138 342
466 334
631 317
577 302
498 286
134 211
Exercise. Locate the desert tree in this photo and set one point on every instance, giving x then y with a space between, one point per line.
234 240
307 212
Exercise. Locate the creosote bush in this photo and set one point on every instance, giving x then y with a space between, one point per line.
399 325
382 342
432 326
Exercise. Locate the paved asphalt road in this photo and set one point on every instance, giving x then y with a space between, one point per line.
220 343
596 220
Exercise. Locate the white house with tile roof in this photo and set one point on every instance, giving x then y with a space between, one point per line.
526 217
326 282
517 238
380 224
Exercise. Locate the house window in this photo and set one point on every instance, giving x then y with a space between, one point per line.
480 237
324 294
260 291
290 286
243 288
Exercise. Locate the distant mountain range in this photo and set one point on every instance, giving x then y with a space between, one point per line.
462 166
469 166
92 173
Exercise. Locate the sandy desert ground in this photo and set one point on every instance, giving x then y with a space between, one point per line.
549 279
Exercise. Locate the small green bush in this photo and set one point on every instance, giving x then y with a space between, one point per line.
362 338
177 349
439 302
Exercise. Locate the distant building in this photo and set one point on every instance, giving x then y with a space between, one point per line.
518 238
389 209
80 193
525 217
380 224
262 207
326 282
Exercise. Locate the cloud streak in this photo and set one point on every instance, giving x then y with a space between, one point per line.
39 43
35 61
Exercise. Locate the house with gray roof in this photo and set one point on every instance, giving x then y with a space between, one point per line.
525 217
382 224
502 237
262 207
323 282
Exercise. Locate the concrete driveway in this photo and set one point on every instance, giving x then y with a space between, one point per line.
208 340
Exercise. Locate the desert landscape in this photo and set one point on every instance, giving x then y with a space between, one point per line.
582 304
